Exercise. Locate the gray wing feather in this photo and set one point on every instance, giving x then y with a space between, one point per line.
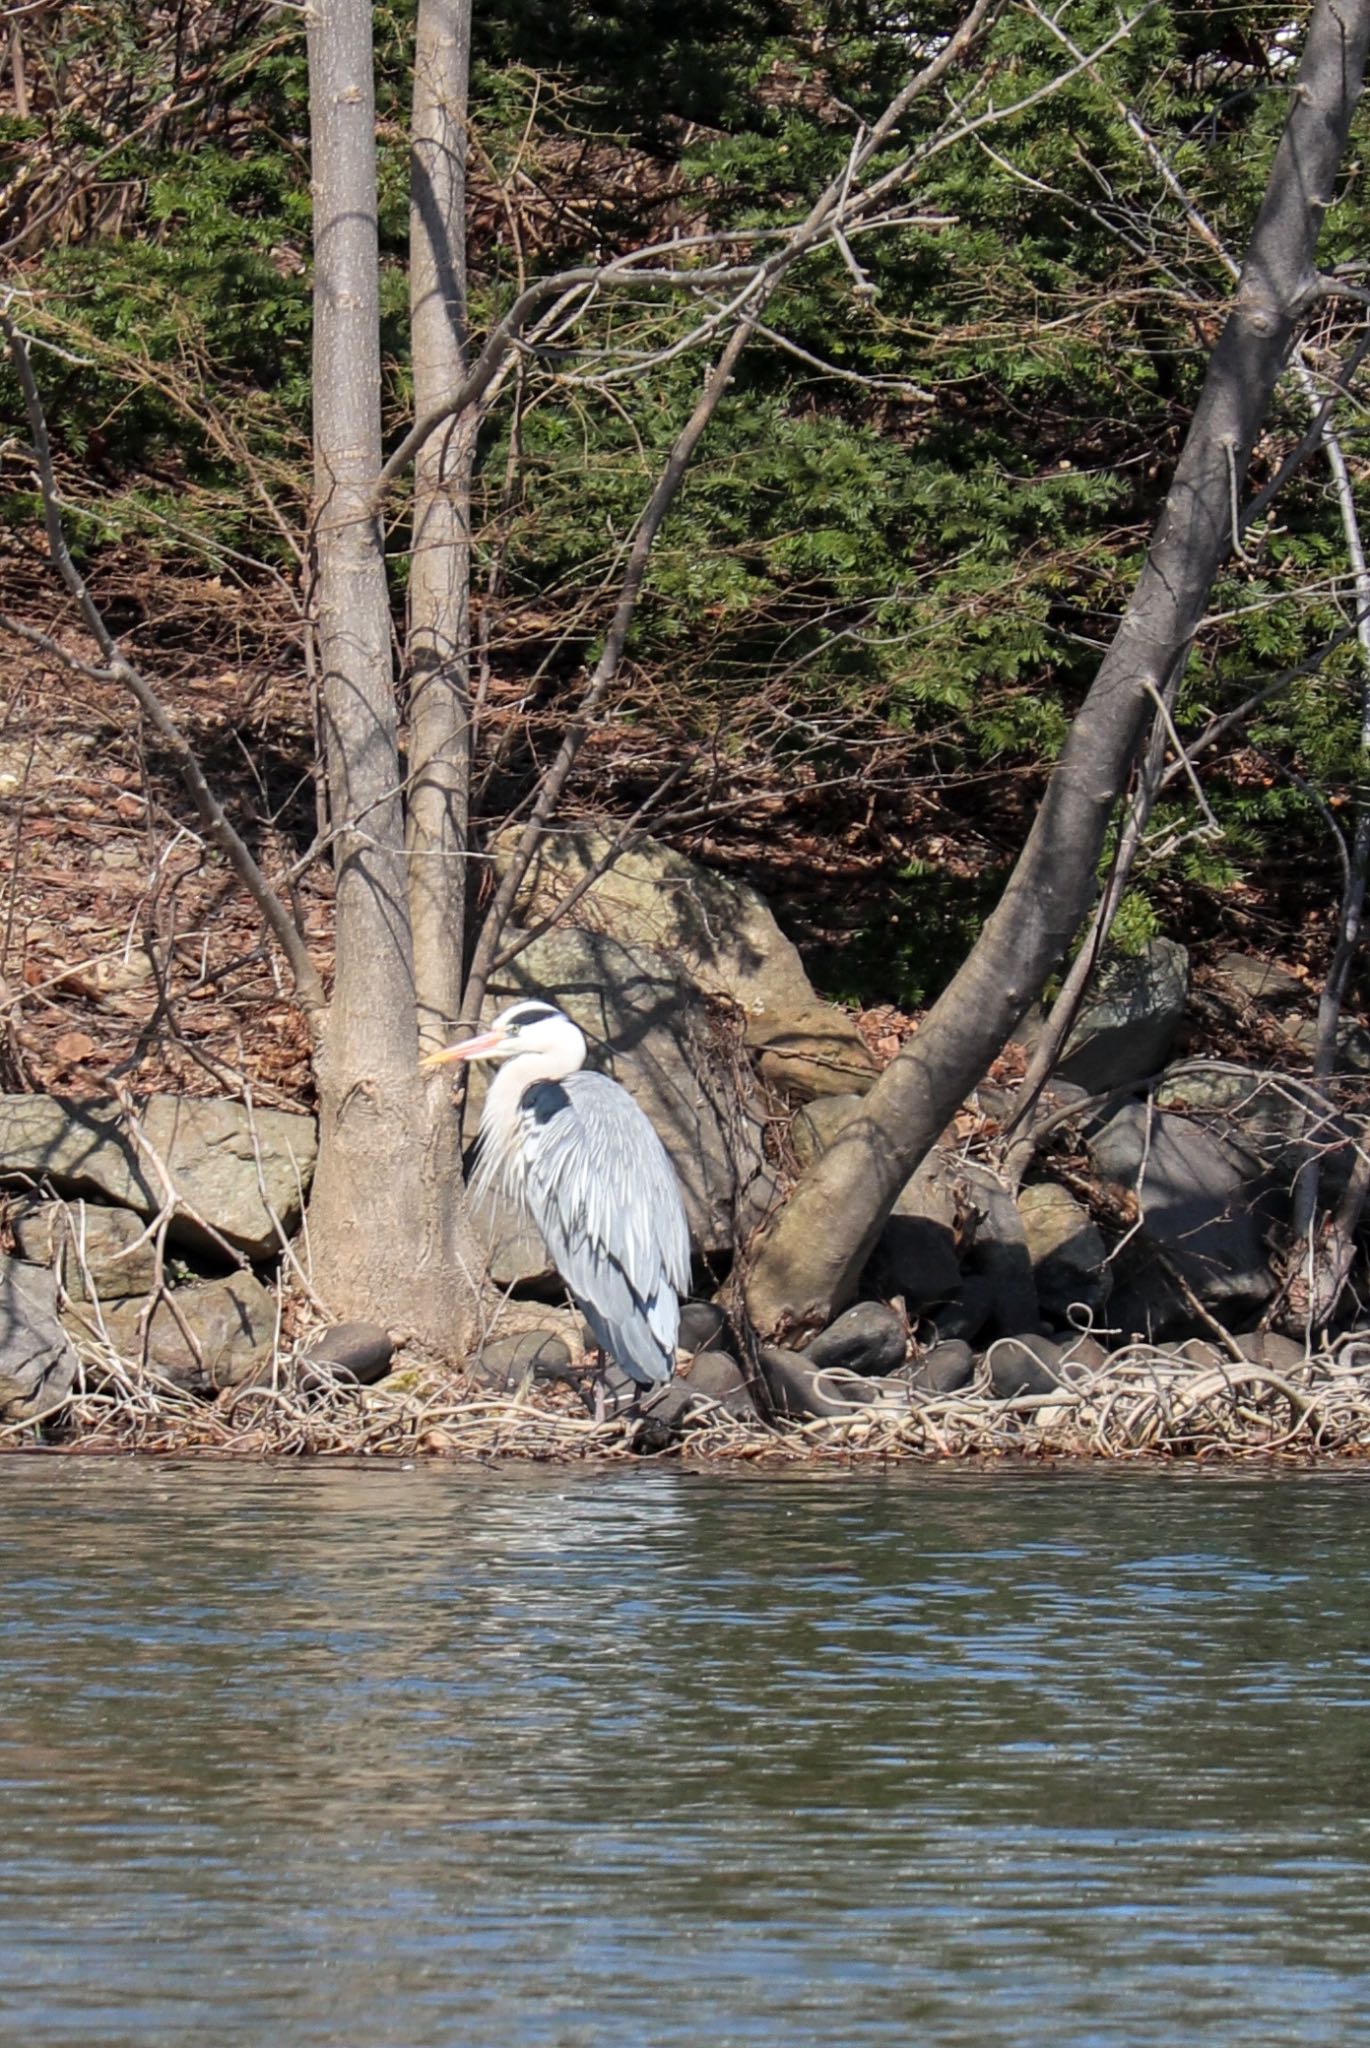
603 1192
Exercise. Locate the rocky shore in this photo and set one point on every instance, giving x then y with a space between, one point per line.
1112 1287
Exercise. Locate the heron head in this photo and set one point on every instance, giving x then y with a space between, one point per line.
527 1026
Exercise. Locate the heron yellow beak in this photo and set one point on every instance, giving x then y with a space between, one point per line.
470 1049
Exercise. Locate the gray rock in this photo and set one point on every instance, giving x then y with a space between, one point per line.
506 1362
1068 1254
37 1360
1128 1023
86 1243
703 1327
998 1247
1024 1365
359 1352
1267 1347
718 932
868 1338
1081 1356
1265 1120
1247 979
916 1257
944 1369
916 1252
800 1390
233 1323
651 1032
1198 1208
83 1148
715 1378
965 1315
1353 1043
818 1123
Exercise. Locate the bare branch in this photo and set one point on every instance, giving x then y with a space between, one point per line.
235 850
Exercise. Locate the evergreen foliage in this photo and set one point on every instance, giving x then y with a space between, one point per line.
906 537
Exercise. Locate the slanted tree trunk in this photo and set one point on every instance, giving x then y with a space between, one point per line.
378 1248
811 1260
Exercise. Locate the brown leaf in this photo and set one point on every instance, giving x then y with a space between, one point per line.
72 1046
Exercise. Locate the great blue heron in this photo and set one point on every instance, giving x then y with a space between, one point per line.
579 1156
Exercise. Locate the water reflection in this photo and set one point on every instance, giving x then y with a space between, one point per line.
374 1757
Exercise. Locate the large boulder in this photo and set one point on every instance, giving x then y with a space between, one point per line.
1200 1208
1127 1024
218 1156
956 1213
1069 1258
215 1336
917 1255
1247 978
37 1361
1264 1118
718 932
650 1030
104 1252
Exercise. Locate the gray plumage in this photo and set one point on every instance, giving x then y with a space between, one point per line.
577 1154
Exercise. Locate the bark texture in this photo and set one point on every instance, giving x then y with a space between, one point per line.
439 581
380 1249
812 1259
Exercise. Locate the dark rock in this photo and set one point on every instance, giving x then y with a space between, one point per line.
506 1362
1269 1348
232 1322
703 1327
207 1147
916 1256
1024 1365
867 1339
82 1241
1262 1120
1353 1043
715 1378
1127 1025
1249 979
37 1360
1069 1258
965 1315
1198 1209
1081 1355
946 1368
662 1414
955 1214
799 1389
1195 1351
360 1352
998 1249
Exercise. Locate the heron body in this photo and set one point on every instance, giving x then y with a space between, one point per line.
574 1151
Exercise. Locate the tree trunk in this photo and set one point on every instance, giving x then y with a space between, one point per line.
440 571
439 670
379 1249
812 1259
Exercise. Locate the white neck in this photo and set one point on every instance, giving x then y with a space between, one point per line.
501 1127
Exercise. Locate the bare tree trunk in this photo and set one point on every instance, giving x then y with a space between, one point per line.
439 652
440 573
378 1248
811 1260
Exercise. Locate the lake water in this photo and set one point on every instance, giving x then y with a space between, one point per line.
450 1759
